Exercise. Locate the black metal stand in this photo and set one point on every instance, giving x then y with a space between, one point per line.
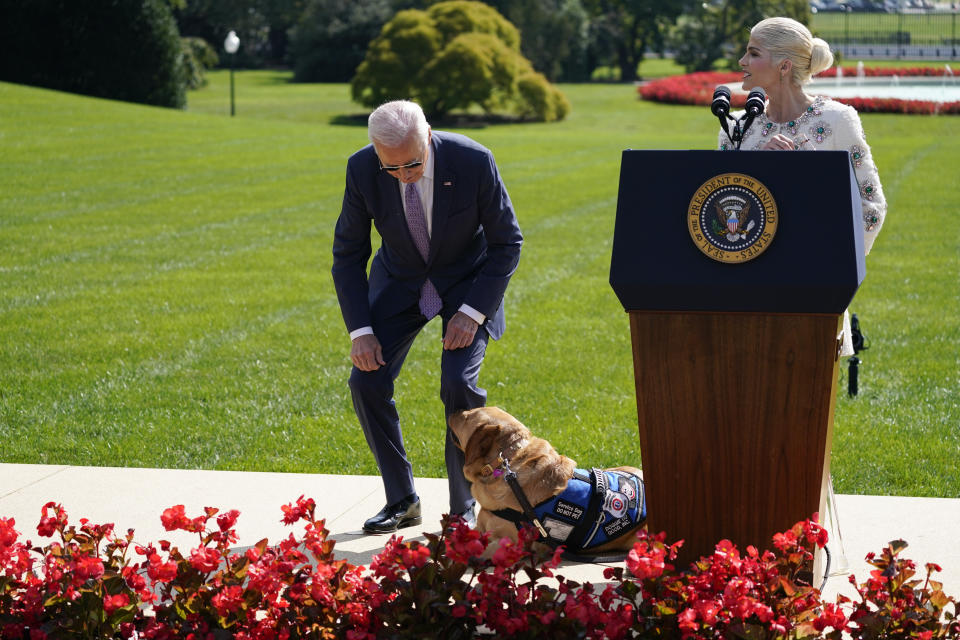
853 373
853 364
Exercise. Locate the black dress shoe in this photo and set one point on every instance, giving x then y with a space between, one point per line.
405 513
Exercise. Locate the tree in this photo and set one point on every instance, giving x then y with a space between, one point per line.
331 38
119 50
553 34
281 16
722 29
262 26
624 29
453 55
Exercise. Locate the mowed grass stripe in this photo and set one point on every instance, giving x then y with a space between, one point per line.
98 273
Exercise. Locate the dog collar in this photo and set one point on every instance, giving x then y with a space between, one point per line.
497 471
488 469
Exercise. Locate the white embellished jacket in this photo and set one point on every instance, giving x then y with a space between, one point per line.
831 126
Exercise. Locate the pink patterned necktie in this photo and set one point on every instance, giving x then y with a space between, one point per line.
430 302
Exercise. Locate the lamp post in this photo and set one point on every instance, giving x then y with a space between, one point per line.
230 45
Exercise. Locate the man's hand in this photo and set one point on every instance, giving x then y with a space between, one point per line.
460 331
366 353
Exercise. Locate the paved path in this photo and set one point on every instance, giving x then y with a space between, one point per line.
136 498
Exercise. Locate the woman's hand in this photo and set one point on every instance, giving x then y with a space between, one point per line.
781 142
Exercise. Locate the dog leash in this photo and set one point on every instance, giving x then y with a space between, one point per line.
511 477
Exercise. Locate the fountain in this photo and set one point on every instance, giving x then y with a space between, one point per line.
943 87
947 75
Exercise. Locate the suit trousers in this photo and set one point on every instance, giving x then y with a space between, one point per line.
372 393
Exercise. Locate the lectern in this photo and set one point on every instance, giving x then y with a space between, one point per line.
735 268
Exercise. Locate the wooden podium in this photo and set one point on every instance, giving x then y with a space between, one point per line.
735 361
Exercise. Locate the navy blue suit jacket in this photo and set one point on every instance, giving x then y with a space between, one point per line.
474 244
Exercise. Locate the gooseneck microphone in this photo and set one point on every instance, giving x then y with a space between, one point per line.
721 101
756 103
720 107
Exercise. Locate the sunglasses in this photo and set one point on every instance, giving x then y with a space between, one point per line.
398 167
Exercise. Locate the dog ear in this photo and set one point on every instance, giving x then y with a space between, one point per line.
481 444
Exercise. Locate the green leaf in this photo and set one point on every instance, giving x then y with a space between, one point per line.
897 546
123 614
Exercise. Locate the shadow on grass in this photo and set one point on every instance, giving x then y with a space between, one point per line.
350 120
449 121
279 78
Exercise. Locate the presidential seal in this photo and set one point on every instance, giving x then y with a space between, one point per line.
732 218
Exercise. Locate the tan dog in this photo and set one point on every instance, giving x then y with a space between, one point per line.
486 434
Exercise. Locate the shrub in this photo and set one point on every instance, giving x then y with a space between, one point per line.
451 56
198 56
119 50
395 58
462 16
543 100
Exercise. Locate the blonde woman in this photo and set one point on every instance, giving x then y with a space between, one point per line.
781 57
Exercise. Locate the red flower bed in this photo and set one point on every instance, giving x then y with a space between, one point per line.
697 89
884 72
90 582
692 88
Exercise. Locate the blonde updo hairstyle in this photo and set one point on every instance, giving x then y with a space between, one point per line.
787 39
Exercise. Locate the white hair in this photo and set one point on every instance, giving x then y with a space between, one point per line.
788 39
393 124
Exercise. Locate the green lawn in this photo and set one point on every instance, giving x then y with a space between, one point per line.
165 297
928 29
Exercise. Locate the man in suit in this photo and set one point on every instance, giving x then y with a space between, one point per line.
449 244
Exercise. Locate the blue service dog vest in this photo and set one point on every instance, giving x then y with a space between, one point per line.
596 507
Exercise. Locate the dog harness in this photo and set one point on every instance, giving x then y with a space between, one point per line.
596 507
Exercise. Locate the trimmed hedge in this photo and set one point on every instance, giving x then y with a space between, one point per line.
119 49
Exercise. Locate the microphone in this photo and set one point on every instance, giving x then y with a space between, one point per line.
720 107
756 103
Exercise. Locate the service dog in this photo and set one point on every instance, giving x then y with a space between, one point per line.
593 513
